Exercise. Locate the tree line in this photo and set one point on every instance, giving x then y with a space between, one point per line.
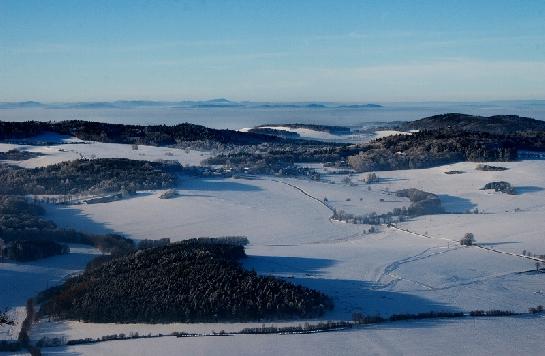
103 175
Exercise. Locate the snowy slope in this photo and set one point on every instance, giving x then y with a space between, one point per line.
90 149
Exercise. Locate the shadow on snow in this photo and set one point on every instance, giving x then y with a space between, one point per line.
527 189
454 204
218 185
348 295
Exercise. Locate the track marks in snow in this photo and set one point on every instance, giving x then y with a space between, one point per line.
390 269
536 259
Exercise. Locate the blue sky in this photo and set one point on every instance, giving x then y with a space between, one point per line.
359 51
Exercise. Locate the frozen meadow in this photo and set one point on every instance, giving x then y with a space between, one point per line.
291 236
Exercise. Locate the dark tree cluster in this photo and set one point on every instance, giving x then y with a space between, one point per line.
498 124
422 203
25 233
423 149
449 138
398 214
18 214
492 312
504 187
192 281
432 148
104 175
18 155
30 250
282 158
486 168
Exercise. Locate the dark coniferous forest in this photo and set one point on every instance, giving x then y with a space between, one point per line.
191 281
103 175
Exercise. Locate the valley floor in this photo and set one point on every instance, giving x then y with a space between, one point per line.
386 272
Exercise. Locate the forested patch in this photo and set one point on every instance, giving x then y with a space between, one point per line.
430 148
26 235
190 281
17 155
422 203
498 124
504 187
29 250
487 168
103 175
282 158
423 149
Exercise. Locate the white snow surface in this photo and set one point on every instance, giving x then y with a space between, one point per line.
385 133
486 336
309 133
77 149
388 272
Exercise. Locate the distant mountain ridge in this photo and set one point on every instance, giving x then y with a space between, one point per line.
212 103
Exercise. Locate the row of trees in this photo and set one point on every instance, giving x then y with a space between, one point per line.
422 203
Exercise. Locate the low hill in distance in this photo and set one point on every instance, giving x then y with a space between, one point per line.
498 124
158 135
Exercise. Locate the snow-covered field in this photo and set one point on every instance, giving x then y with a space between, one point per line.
314 134
504 336
67 150
385 133
267 210
387 272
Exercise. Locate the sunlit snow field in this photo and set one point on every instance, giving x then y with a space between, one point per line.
291 236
